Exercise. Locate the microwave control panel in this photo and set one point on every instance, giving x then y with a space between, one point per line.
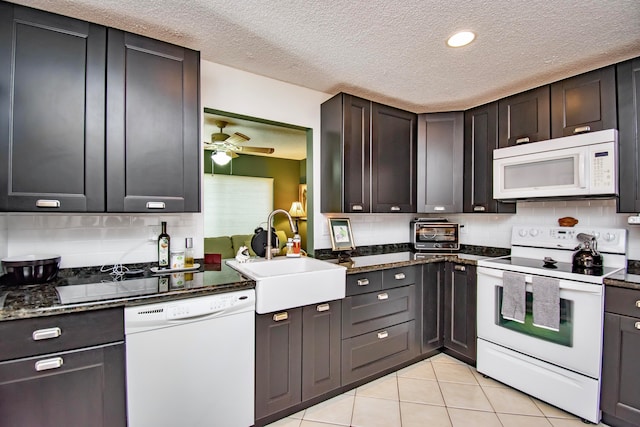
603 177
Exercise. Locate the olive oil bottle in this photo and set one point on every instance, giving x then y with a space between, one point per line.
164 247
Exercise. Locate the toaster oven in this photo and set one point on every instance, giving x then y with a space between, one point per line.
430 235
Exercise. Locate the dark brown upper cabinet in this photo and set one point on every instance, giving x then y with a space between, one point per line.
480 139
628 75
524 118
584 103
52 108
368 157
94 119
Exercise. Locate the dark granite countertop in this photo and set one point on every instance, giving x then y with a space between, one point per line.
624 279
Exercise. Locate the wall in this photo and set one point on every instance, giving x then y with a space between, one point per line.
4 238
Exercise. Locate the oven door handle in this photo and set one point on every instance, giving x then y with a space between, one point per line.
565 285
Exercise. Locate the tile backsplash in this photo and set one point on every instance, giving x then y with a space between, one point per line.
95 240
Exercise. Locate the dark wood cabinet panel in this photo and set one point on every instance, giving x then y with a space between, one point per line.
393 160
628 76
586 102
524 118
52 105
460 311
400 276
480 139
361 283
152 125
440 162
432 307
278 361
321 328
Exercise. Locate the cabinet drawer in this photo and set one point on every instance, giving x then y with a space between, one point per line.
396 277
622 301
368 312
364 282
30 337
370 353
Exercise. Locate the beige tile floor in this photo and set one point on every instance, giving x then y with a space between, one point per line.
440 391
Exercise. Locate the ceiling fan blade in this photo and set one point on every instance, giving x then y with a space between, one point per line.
264 150
232 154
237 138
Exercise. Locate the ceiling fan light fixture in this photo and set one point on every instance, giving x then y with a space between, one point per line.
461 38
220 158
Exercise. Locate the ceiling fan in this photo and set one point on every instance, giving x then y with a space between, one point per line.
229 145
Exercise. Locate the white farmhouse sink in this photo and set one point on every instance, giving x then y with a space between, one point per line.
283 283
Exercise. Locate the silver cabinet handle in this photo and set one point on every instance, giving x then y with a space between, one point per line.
155 205
278 317
363 282
582 129
45 365
638 303
46 334
400 276
459 268
323 307
522 140
356 208
383 296
439 208
637 325
47 203
383 334
395 208
479 209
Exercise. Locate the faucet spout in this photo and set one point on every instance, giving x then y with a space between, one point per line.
294 230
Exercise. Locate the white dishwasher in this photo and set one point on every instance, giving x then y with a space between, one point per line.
190 362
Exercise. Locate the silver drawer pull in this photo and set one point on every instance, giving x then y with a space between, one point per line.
638 303
439 208
478 208
400 276
637 325
46 334
383 296
356 208
459 268
45 365
278 317
522 140
363 282
582 129
155 205
47 203
385 334
395 208
323 307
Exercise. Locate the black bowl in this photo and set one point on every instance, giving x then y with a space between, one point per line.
30 269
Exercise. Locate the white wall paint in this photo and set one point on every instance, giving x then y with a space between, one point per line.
88 240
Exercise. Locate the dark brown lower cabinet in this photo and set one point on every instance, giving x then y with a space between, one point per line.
460 311
620 393
88 389
432 307
297 356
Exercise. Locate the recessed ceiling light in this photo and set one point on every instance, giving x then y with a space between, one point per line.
460 39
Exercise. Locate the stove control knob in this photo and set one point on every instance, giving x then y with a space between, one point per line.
533 232
596 234
609 237
522 232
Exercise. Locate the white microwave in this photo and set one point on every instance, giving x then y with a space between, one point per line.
577 166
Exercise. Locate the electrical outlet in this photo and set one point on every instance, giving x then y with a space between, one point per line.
154 232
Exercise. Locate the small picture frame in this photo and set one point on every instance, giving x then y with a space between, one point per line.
341 235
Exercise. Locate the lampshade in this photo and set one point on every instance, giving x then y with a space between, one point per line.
296 210
220 157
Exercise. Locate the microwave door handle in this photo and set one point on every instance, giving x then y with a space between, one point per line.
581 170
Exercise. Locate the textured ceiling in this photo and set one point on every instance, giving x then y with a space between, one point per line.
388 51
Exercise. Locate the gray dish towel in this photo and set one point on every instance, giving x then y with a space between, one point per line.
513 296
546 303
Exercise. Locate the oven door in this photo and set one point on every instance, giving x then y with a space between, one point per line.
576 346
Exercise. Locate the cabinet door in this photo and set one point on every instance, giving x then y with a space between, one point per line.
71 389
460 311
393 159
480 139
52 104
153 126
278 361
432 307
524 118
440 162
586 102
628 74
620 369
320 348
